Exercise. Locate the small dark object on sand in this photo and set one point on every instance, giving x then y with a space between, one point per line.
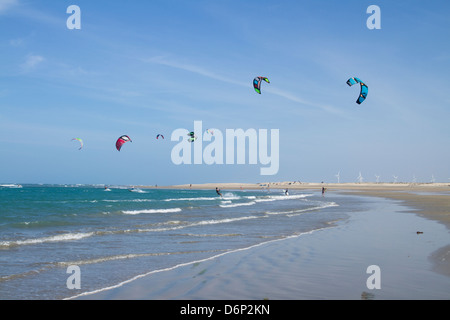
367 296
419 232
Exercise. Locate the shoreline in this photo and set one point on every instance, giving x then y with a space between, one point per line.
428 198
310 185
325 256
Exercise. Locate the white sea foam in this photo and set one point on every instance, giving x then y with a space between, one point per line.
11 185
213 235
137 190
192 199
283 197
262 199
329 205
228 220
61 237
151 211
233 205
195 224
130 256
226 196
230 196
128 200
294 212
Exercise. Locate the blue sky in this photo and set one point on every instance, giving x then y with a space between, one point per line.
146 67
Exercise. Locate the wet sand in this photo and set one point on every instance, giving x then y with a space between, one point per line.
431 204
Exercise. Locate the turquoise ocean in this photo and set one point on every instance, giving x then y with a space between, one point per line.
117 233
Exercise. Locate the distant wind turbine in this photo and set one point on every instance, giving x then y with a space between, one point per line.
432 179
338 176
378 178
395 179
360 178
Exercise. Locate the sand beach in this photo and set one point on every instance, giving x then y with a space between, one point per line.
404 232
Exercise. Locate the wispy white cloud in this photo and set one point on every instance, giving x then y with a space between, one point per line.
31 62
194 69
6 4
28 11
16 42
291 97
215 76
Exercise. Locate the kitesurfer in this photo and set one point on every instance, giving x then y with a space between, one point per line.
218 191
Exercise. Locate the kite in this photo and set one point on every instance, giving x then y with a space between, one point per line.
159 135
192 136
121 141
81 142
364 89
257 83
